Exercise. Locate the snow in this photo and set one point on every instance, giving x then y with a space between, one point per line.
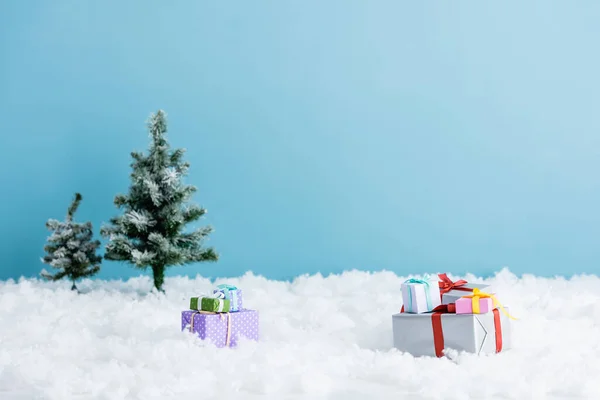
141 220
171 177
321 338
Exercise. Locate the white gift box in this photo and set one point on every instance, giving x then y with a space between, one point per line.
423 335
420 295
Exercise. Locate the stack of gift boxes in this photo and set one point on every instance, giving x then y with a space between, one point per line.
220 317
441 314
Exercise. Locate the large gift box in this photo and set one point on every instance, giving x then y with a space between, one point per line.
233 294
452 291
222 329
429 334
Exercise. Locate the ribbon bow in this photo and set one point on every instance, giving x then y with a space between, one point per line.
226 288
413 280
447 285
478 294
427 295
231 293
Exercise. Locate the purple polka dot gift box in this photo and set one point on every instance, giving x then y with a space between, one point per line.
222 329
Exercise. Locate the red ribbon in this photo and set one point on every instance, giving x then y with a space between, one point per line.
446 308
438 332
436 324
447 285
498 329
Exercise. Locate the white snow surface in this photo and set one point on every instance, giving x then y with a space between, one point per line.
321 338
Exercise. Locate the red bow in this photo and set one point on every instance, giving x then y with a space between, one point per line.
447 285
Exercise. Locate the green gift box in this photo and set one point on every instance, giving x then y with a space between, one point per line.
210 304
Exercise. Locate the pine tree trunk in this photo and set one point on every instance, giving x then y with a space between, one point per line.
158 273
74 287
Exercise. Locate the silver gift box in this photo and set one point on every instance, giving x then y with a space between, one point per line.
473 333
453 295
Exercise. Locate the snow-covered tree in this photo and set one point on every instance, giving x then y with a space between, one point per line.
70 248
151 230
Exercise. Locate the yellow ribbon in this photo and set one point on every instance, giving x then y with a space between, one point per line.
478 294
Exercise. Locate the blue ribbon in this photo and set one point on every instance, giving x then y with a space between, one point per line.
410 293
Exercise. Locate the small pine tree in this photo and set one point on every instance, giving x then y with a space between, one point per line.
150 232
70 248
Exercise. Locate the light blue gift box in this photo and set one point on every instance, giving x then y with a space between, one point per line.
233 294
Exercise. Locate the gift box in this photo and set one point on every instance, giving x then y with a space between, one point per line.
212 304
429 334
420 295
452 291
233 294
222 329
468 305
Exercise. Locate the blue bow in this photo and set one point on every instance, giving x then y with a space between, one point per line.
427 294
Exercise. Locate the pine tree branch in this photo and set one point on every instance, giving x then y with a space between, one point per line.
192 213
56 277
90 271
191 239
182 169
120 200
157 126
52 224
51 248
176 156
205 255
138 157
74 206
117 255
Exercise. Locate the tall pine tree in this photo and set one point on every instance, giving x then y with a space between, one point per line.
150 232
70 248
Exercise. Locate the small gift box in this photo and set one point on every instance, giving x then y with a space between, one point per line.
233 294
478 303
420 295
466 305
215 303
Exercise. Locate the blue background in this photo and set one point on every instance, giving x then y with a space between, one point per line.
323 136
